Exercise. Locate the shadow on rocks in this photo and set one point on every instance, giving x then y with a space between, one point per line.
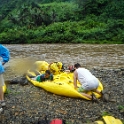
18 80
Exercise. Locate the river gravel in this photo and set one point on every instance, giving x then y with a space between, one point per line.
26 104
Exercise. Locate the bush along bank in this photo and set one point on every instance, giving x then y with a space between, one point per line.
62 21
88 31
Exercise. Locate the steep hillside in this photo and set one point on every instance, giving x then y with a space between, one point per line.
87 21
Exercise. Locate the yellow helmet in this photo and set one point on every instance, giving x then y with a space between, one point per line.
59 64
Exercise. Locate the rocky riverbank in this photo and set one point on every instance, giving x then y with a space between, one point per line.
26 104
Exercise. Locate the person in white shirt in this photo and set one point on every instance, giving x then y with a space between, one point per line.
87 80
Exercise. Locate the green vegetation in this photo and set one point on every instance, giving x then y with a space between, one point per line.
7 91
121 107
62 21
104 113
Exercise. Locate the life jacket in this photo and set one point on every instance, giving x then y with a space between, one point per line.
56 67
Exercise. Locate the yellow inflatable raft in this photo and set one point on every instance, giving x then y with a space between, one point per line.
109 120
4 88
62 85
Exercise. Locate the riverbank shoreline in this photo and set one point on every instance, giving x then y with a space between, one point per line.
26 104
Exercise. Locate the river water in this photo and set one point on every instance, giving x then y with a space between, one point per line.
89 56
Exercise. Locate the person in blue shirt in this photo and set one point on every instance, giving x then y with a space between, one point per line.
5 55
44 77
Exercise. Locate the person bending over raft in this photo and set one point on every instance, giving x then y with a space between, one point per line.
44 77
88 81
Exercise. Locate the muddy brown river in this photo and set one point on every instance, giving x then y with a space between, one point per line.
89 56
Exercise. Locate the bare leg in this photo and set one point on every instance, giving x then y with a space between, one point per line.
97 91
1 93
1 97
87 95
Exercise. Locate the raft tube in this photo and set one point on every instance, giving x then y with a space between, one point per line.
109 120
62 84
